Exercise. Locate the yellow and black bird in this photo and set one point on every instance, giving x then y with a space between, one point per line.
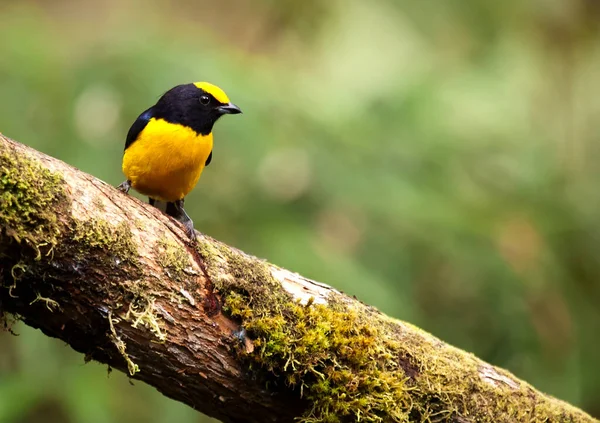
168 146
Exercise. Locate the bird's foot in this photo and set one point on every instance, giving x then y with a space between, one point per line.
176 211
125 186
189 229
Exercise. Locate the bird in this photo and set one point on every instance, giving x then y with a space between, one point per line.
169 145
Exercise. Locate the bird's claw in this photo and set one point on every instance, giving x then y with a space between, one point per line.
175 210
125 186
189 229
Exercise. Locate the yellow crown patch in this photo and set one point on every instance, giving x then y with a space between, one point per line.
213 90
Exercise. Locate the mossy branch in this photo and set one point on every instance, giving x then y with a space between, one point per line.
226 333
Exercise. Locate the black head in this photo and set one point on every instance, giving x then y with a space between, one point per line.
197 105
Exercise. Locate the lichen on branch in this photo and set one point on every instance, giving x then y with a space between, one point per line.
351 363
121 283
29 197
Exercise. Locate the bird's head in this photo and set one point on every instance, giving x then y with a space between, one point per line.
196 105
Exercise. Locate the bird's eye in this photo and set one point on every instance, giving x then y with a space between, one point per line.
204 99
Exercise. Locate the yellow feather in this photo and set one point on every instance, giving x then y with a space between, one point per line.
166 160
213 90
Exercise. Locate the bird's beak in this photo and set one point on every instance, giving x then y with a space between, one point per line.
229 109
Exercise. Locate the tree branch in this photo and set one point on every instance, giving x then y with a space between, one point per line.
120 282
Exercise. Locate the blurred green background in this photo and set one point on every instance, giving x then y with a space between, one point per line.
437 159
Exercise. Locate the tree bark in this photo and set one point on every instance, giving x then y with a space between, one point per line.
229 334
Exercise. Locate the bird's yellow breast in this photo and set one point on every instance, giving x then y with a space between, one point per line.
166 160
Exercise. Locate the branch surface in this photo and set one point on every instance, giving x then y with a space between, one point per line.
120 282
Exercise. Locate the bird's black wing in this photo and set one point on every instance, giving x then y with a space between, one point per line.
137 127
208 159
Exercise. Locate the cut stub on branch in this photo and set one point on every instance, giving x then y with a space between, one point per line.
229 334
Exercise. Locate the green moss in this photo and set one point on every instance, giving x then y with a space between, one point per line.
141 312
115 240
230 269
347 360
173 258
136 305
35 210
330 355
29 197
354 364
120 345
337 360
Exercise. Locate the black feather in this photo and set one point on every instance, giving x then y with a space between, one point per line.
138 126
182 105
208 159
